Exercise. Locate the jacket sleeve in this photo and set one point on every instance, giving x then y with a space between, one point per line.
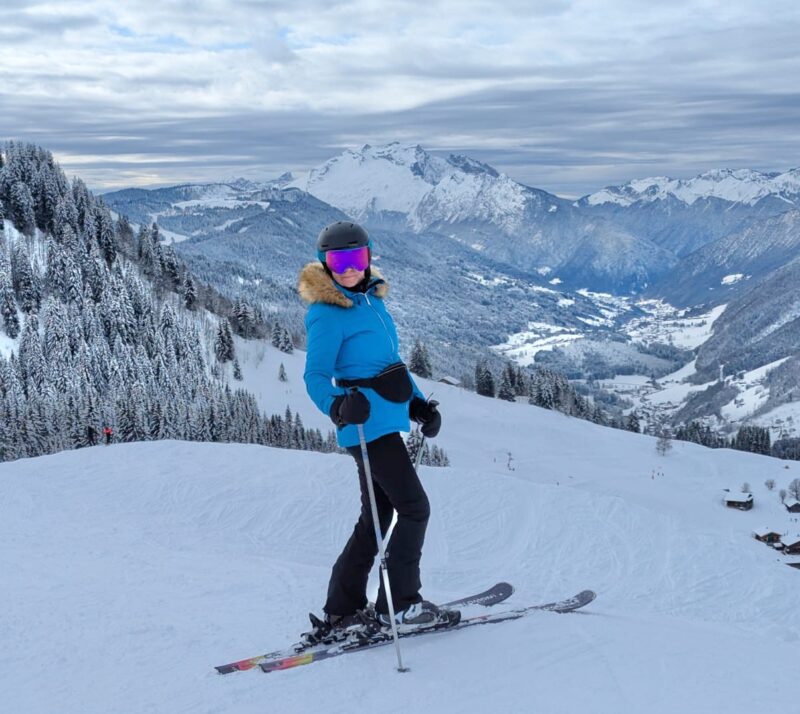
324 338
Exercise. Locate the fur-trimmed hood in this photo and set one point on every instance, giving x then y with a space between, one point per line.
315 285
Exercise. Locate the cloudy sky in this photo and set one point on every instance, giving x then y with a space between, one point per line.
564 95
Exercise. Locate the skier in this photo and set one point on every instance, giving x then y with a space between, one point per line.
108 431
352 338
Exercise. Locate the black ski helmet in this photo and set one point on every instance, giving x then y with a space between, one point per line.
341 236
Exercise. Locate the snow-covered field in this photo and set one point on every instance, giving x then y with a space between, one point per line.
130 570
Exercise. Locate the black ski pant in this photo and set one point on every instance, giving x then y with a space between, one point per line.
397 488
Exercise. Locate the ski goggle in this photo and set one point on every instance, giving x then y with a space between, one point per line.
340 260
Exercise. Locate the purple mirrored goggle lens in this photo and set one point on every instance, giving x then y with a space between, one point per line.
340 260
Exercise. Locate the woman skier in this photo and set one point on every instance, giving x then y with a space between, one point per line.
352 340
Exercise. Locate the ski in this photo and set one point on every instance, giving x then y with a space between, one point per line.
326 652
493 596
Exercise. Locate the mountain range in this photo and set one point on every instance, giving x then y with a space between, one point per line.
479 259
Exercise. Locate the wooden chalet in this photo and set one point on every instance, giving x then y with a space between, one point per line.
791 544
767 535
792 505
450 380
742 501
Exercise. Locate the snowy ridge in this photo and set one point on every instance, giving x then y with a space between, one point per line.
736 186
406 179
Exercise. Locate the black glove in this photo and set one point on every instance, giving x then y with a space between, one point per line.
425 414
350 408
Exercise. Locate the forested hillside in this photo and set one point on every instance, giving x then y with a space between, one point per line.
102 328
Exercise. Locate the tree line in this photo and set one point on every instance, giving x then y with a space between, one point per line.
753 439
108 333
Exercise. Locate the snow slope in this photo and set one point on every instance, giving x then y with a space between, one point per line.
130 570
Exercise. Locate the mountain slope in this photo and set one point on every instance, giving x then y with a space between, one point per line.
251 242
405 186
142 565
723 268
757 328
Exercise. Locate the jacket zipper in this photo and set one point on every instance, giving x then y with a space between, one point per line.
385 329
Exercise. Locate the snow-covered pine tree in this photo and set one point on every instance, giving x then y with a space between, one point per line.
755 439
189 293
598 415
506 389
106 238
244 319
65 221
522 387
8 303
419 362
21 208
147 250
24 278
484 380
632 423
286 345
170 270
223 343
543 389
413 443
124 236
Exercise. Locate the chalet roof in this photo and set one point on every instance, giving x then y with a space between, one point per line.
447 379
761 532
738 497
791 540
791 502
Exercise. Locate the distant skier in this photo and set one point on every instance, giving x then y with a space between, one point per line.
108 432
91 435
352 338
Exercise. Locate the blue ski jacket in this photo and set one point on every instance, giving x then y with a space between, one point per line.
350 336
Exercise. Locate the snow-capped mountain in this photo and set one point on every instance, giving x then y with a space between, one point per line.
428 189
407 187
250 243
701 241
734 186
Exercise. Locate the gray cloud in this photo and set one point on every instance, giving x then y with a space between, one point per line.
555 94
32 26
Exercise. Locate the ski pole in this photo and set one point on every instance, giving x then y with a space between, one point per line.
418 460
384 571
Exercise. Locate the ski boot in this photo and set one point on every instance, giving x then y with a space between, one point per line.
421 616
338 628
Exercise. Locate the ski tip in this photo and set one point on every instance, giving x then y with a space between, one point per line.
507 587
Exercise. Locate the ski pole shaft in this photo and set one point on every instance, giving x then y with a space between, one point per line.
418 460
376 523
